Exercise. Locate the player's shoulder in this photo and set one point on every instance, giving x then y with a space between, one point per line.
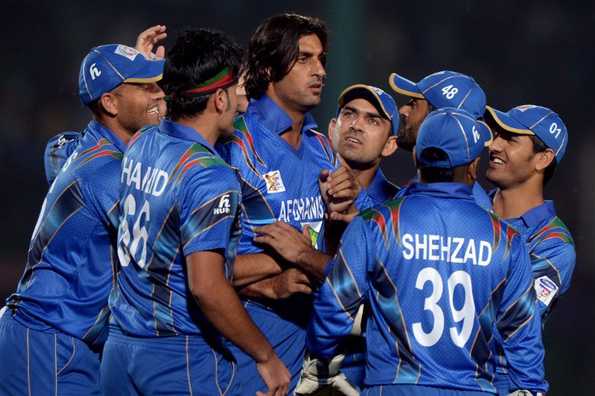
199 162
553 238
321 143
141 134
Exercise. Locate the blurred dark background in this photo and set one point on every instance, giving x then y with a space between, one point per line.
537 52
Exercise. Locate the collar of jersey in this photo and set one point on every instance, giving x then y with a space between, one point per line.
443 190
273 117
533 217
99 129
184 132
378 187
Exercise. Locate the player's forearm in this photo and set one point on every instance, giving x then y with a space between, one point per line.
222 307
264 288
313 262
250 268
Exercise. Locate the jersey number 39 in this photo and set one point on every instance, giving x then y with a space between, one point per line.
466 313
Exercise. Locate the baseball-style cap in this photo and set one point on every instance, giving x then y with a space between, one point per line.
382 101
107 66
457 133
444 89
534 120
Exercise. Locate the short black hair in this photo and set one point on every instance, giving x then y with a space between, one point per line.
274 49
540 147
197 55
436 175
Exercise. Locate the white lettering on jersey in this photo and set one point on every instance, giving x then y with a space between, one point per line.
454 250
301 209
154 180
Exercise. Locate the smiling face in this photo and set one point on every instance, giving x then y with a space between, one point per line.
137 105
412 115
361 135
513 160
301 88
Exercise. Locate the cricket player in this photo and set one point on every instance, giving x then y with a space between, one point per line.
174 306
436 91
529 143
61 146
53 327
363 133
279 157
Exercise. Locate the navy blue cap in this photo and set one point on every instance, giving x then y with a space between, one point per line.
455 132
382 101
444 89
534 120
107 66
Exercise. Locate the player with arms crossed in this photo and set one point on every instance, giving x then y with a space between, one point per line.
529 143
54 326
174 303
279 157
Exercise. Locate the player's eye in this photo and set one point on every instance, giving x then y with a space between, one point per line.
373 121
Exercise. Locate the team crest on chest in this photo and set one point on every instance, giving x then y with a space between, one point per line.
274 182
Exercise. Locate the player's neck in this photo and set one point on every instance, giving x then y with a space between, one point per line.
363 175
203 125
515 201
292 136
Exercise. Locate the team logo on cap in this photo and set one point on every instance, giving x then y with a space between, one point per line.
94 71
127 52
274 182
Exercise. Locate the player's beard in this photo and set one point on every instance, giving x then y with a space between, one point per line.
406 136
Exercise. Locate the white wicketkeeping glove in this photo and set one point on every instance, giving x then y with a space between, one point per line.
317 374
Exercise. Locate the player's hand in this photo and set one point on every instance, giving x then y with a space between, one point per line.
275 375
289 282
148 39
288 242
340 189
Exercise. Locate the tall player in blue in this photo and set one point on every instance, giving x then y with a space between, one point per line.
52 328
174 307
530 141
445 288
279 157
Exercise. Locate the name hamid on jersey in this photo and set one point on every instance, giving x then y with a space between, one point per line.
146 179
454 250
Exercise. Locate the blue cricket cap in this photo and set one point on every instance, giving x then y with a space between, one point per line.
444 89
107 66
383 102
534 120
455 132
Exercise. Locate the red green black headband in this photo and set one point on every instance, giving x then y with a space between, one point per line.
223 79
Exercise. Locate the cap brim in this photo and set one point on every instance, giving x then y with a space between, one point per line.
351 93
506 122
152 71
404 86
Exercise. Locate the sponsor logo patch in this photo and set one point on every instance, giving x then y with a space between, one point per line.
546 289
126 51
274 182
224 206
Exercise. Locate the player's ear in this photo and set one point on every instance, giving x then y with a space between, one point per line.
544 159
472 169
390 146
332 125
109 103
221 101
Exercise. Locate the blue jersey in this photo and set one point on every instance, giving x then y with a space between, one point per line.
57 151
379 191
177 197
553 257
444 290
71 262
278 182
